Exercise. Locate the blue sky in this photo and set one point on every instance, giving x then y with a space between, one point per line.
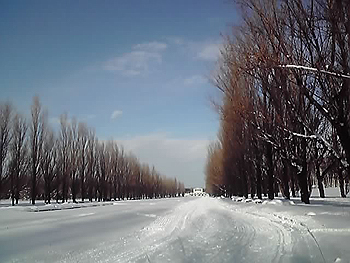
136 71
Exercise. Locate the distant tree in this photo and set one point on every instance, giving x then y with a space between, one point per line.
82 157
49 164
65 149
5 138
70 163
214 169
36 140
91 166
101 171
18 157
73 145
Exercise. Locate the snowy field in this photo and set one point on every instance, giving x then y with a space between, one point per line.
201 229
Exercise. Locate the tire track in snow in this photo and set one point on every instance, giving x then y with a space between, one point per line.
209 230
297 243
205 230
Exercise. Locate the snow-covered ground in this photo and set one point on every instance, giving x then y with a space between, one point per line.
41 206
201 229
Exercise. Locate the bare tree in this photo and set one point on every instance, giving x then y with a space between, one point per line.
73 162
91 166
5 138
285 79
214 170
49 164
82 157
64 146
36 139
18 154
73 144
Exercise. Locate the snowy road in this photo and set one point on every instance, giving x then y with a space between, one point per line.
174 230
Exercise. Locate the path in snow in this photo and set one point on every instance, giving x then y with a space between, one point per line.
180 230
211 230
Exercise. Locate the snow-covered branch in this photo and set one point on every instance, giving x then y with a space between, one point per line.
324 142
303 135
335 74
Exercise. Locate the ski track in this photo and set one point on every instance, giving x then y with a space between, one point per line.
210 230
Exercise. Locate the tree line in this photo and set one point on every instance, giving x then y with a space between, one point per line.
284 75
38 163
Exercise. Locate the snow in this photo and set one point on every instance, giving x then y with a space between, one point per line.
316 70
42 207
311 214
189 229
304 136
86 214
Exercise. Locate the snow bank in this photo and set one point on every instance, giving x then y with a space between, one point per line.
64 206
277 201
41 207
332 198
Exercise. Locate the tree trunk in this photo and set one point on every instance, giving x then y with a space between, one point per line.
341 183
64 190
49 192
286 181
276 188
17 189
344 136
303 175
292 185
320 187
252 187
270 179
74 190
320 181
90 191
258 182
244 180
82 187
12 189
33 187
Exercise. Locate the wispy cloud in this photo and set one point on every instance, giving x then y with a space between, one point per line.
151 46
206 50
209 52
116 114
176 40
195 80
138 61
175 157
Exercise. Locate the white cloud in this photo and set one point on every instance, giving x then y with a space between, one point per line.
176 40
138 61
195 80
209 52
151 46
116 114
133 63
174 157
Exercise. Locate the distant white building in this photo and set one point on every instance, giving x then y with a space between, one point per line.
198 192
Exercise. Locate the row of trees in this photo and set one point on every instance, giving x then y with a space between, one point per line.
285 113
37 163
